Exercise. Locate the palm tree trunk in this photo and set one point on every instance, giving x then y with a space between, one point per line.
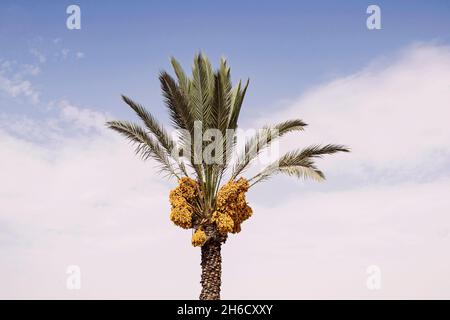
211 270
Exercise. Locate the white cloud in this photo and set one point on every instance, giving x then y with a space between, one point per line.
319 244
67 120
69 205
13 80
89 201
392 114
45 130
16 88
84 118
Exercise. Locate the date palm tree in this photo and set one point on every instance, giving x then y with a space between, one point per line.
210 205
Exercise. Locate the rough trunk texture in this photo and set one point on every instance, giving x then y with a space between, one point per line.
211 271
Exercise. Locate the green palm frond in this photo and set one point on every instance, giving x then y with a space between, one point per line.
176 103
317 151
146 146
236 102
183 80
158 131
221 106
181 116
152 124
222 96
261 140
201 91
207 98
299 163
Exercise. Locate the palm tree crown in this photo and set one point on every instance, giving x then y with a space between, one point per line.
200 104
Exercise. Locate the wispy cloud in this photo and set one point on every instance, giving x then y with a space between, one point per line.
38 54
14 83
65 120
29 69
16 88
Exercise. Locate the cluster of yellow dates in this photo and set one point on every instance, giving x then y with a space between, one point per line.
182 201
230 211
231 207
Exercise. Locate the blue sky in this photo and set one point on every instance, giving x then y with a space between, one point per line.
284 47
73 193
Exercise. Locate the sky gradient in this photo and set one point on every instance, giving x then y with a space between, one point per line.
74 194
